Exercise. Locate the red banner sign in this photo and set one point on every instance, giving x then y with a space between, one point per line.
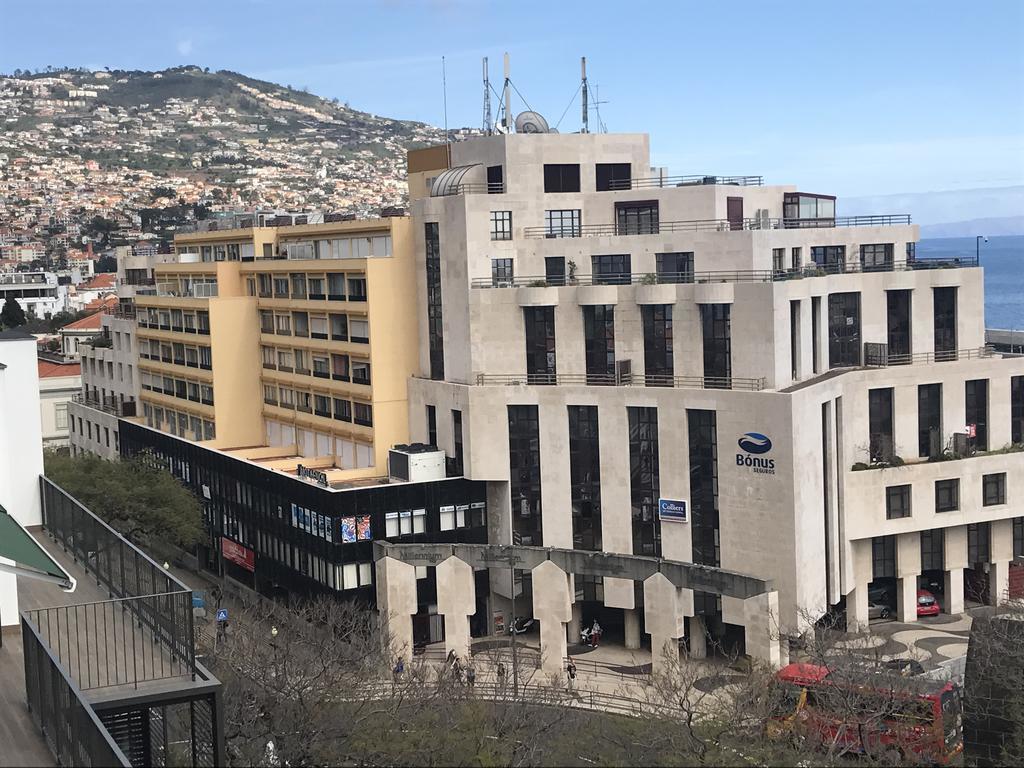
238 554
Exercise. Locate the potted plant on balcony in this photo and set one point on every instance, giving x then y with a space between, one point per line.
649 279
571 279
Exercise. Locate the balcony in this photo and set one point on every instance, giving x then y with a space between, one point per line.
711 225
661 182
878 356
726 276
109 405
615 380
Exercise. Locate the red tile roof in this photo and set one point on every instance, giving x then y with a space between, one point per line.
102 280
87 323
48 370
105 302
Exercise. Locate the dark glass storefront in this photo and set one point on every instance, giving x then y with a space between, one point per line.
289 538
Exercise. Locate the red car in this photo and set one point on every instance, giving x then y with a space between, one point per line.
927 605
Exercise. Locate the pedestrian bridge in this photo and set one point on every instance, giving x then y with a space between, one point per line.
550 567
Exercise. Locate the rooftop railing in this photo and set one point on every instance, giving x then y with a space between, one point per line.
617 380
726 276
684 181
879 356
710 225
472 188
109 405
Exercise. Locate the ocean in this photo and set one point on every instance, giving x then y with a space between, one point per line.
1003 261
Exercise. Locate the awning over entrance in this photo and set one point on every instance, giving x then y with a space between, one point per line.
30 559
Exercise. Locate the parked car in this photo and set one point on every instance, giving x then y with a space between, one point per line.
878 610
927 605
904 667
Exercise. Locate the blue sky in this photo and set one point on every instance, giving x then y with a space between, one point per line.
856 98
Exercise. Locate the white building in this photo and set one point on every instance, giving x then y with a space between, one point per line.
595 336
59 381
37 292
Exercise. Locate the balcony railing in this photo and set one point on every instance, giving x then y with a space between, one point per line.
724 276
684 181
472 188
109 405
711 225
878 356
613 380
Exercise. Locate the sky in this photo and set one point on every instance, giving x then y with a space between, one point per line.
851 98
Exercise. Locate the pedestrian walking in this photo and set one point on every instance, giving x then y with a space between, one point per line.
501 675
457 669
470 676
595 634
450 661
570 675
399 669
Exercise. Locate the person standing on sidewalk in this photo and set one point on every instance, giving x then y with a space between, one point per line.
595 634
470 676
570 674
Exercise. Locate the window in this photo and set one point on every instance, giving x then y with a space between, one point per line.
599 343
431 425
976 411
898 320
880 434
495 179
282 325
947 495
61 415
321 366
562 178
540 344
301 361
280 286
933 550
342 409
270 394
636 218
336 286
435 318
501 273
562 223
524 473
929 420
993 489
702 436
554 270
657 329
501 225
778 260
796 259
674 267
266 321
363 413
317 287
944 309
831 258
1018 537
359 331
611 176
801 210
1017 409
815 333
339 327
585 477
303 401
339 367
357 288
322 405
979 539
876 257
361 372
318 326
644 480
717 342
300 321
611 269
457 440
883 557
844 330
298 285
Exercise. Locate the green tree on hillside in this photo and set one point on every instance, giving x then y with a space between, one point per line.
137 497
12 315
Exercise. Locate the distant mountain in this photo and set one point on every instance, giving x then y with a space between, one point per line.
945 206
991 227
78 144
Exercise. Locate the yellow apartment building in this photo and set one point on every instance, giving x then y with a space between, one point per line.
285 345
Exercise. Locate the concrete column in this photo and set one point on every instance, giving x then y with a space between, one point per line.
632 624
860 576
396 603
663 621
697 634
857 609
575 624
551 607
908 568
1001 547
956 561
761 619
456 601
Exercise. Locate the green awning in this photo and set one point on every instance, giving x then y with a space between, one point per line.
30 558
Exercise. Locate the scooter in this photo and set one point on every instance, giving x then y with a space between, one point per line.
521 624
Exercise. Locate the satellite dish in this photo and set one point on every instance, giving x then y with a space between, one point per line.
531 122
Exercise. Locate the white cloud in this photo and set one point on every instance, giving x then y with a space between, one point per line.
185 47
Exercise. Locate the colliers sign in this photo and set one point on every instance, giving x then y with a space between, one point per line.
754 446
313 474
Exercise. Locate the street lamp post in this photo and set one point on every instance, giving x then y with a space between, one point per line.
977 248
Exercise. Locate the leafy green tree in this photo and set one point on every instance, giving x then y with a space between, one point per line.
137 497
106 264
12 315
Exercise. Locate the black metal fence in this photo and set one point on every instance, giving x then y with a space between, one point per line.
71 728
164 607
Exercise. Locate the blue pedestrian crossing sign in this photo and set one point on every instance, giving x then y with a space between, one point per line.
222 614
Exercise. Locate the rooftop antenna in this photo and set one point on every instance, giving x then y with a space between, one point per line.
487 101
507 93
597 109
583 98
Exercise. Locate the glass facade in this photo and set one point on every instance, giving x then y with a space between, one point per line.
524 473
929 420
540 344
898 320
585 477
883 557
933 549
702 434
674 267
1017 409
659 369
435 315
644 481
611 269
717 341
944 306
636 218
881 446
599 343
976 410
843 330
